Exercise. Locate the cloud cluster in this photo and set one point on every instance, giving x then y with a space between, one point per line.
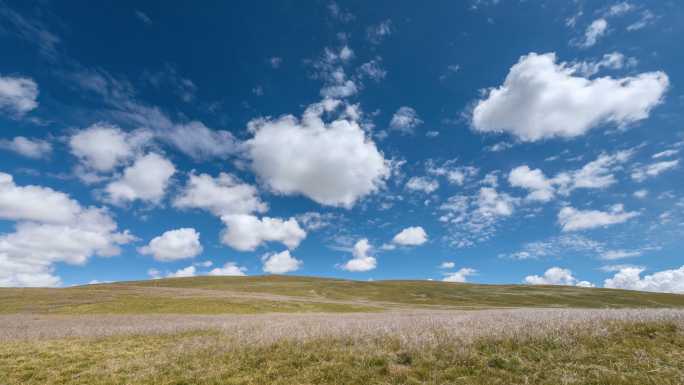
280 263
543 99
668 281
459 276
246 232
30 148
410 236
50 228
146 180
405 120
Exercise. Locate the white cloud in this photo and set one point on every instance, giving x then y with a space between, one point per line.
611 255
102 147
334 164
229 269
455 174
312 220
246 232
557 247
613 60
541 99
377 33
18 95
619 9
665 154
35 203
419 183
280 263
146 180
373 70
362 261
641 194
556 276
459 276
474 218
642 173
174 245
200 142
52 228
647 17
597 174
189 271
30 148
447 265
594 32
411 236
572 219
223 195
540 187
668 281
405 120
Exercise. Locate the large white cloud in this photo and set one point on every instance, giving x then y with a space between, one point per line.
280 263
411 236
223 195
543 99
18 95
102 147
572 219
246 232
174 245
362 261
51 228
332 163
556 276
146 180
668 281
30 148
35 203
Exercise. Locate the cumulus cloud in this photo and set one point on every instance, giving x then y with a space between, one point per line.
556 276
333 163
222 195
102 147
542 99
594 32
652 170
667 281
18 95
146 180
361 261
51 228
411 236
246 232
229 269
280 263
459 276
419 183
405 120
30 148
174 245
572 219
35 203
540 187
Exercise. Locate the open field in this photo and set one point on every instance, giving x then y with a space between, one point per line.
294 330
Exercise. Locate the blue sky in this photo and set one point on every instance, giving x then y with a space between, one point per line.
484 141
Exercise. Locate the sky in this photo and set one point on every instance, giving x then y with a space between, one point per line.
483 141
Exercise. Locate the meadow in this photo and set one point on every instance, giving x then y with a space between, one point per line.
295 330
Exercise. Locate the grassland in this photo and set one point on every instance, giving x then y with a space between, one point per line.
247 295
296 330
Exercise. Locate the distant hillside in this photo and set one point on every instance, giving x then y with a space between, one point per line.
215 295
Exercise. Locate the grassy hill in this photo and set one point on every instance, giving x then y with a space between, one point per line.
263 294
